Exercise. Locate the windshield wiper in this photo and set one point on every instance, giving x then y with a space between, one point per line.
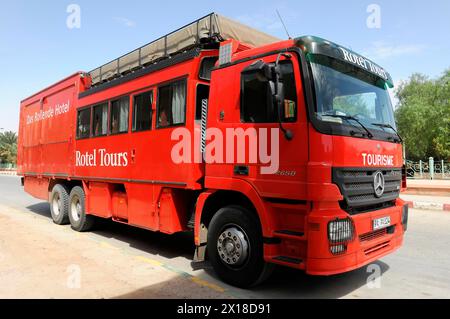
348 118
391 127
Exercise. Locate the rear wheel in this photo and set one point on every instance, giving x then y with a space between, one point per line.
59 204
235 247
79 220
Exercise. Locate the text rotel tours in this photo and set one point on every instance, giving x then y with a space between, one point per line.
101 158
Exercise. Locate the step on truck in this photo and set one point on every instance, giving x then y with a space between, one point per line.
271 152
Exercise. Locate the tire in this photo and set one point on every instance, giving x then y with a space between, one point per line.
248 267
59 204
79 220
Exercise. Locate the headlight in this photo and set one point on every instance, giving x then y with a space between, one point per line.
340 231
405 217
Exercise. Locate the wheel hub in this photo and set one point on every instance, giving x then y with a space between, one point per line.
56 205
76 209
232 246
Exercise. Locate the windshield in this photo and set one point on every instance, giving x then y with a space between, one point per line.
343 90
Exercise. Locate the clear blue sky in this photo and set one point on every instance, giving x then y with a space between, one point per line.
37 48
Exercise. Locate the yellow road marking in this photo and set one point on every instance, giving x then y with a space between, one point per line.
207 284
150 261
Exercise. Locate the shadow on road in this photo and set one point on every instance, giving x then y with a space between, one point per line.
175 288
291 283
168 246
284 283
42 209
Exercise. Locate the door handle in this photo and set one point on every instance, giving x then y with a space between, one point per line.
133 155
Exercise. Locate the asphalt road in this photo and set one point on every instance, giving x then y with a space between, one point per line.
41 260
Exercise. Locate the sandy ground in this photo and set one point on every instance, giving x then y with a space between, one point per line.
41 260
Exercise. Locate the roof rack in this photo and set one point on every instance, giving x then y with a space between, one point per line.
212 28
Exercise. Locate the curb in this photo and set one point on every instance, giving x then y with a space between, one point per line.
8 173
428 205
433 191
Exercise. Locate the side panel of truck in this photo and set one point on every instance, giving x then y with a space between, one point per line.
46 135
149 189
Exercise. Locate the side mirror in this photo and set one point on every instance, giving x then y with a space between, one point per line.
278 96
262 71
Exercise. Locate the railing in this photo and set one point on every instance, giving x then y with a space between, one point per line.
430 169
180 39
7 166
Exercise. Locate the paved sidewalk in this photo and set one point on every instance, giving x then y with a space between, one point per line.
436 187
429 182
427 202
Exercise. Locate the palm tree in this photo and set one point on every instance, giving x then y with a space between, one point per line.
8 147
8 137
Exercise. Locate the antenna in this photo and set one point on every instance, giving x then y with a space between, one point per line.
284 26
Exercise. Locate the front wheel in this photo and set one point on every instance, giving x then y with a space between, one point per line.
235 247
79 220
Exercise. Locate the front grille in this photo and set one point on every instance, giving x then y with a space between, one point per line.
356 185
376 248
373 235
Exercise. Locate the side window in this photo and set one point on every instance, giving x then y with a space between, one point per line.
202 93
100 123
84 123
172 104
256 98
289 113
119 115
142 111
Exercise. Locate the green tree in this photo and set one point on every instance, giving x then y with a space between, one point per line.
8 137
423 116
8 147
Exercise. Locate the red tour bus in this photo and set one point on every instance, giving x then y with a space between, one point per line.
269 151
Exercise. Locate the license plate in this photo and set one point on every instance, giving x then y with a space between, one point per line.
382 222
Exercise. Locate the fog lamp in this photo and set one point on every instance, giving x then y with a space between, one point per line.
338 249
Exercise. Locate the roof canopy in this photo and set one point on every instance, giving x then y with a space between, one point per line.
212 27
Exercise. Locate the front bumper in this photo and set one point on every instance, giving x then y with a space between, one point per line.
367 245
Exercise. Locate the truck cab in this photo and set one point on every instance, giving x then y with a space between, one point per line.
328 202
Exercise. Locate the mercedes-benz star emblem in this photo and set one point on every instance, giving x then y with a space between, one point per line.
378 184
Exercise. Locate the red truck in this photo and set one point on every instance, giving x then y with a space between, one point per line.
269 151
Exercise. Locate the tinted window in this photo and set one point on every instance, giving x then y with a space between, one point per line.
119 115
172 104
142 111
84 123
256 99
100 121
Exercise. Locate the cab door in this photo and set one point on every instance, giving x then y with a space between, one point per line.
243 111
